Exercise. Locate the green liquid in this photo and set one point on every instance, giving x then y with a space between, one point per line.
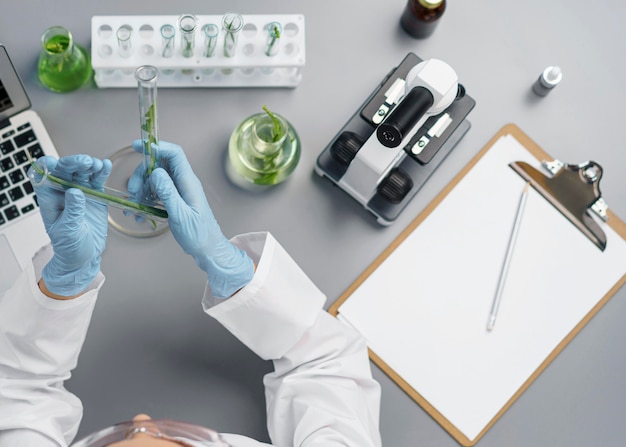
61 70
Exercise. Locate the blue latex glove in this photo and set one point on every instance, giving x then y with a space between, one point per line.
192 223
77 226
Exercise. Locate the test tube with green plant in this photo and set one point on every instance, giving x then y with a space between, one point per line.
187 23
232 22
168 33
146 76
39 175
211 32
274 31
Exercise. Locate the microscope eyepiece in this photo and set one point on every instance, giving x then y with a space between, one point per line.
404 117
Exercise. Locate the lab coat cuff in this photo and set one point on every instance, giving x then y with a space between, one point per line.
272 313
34 272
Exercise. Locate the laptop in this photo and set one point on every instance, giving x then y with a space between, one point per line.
21 130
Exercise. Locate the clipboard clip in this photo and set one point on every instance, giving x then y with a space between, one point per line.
573 190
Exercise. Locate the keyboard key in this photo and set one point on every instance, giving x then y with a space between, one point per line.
20 158
35 151
16 176
25 138
4 200
6 147
8 134
15 193
6 164
23 126
2 221
4 182
11 212
28 187
28 208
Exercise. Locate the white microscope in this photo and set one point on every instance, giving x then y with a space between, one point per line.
398 137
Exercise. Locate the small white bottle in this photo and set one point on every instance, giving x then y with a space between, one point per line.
549 79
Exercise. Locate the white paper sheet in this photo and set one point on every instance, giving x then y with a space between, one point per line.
424 310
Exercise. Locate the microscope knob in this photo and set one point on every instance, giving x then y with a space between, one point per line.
395 186
345 148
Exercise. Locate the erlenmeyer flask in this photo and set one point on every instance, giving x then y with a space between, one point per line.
63 65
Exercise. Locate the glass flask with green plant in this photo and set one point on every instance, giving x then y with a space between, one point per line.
63 65
263 149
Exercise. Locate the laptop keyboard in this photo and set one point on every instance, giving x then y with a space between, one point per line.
17 196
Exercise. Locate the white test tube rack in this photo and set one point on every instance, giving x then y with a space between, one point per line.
249 67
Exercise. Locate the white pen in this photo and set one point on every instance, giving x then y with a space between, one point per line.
507 259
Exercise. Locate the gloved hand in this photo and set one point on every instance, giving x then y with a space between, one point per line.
77 226
192 223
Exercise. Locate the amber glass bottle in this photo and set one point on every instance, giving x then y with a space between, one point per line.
420 17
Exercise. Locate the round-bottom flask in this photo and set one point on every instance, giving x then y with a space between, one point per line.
263 150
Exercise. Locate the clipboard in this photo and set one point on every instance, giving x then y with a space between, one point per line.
405 335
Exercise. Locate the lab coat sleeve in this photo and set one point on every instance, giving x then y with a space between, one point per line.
40 339
321 392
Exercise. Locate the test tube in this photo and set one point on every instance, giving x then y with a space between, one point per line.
167 40
123 34
40 175
146 77
232 22
210 39
187 23
274 31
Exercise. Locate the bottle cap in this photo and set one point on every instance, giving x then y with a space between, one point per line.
552 75
430 4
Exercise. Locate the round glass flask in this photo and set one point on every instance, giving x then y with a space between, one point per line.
263 150
63 65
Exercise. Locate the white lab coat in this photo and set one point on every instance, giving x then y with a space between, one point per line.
321 392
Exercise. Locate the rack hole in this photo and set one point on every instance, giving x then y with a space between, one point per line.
249 30
105 31
105 50
291 49
146 31
291 29
248 49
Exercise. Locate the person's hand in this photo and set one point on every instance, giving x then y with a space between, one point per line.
77 226
192 223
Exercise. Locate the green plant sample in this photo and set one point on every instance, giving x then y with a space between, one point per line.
230 40
147 125
277 129
188 51
274 36
57 44
108 195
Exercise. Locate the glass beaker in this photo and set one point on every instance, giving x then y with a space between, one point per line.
263 150
187 23
210 39
63 65
232 22
274 31
167 40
